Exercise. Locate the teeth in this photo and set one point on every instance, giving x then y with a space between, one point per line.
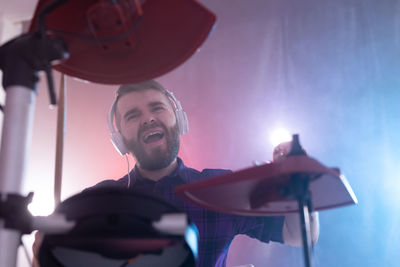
151 134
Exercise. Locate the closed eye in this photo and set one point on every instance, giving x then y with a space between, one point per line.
158 108
132 114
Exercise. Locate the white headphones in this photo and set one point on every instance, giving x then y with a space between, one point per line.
116 137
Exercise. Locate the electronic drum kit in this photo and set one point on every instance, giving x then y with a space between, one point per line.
121 227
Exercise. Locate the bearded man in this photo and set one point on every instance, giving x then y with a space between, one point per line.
149 120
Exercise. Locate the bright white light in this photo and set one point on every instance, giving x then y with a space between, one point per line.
41 206
279 136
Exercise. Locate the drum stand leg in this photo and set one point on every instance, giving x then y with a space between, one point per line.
20 61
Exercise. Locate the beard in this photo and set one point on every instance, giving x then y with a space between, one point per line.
159 157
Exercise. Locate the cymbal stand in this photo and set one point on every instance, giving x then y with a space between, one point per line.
299 189
20 61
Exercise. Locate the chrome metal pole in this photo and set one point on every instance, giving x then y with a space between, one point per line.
15 143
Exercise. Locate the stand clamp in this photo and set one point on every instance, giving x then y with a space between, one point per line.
23 57
14 212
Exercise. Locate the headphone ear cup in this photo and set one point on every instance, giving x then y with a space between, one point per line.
181 118
182 121
118 142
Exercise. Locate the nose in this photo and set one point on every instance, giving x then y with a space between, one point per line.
149 120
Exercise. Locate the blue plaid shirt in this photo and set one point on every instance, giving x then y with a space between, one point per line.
216 230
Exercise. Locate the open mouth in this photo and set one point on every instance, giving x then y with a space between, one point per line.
153 137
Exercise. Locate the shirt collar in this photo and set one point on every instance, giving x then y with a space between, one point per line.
178 172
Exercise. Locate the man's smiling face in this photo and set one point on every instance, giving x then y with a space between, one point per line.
147 122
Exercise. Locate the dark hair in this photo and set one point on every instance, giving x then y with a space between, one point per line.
137 87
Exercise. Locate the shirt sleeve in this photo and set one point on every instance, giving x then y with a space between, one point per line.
263 228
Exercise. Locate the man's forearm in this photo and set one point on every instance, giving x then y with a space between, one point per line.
292 230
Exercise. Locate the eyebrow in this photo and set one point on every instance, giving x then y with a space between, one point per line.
136 110
156 103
